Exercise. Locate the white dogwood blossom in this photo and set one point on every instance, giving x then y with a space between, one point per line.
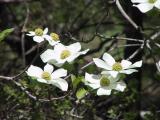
49 76
104 83
38 34
146 5
111 66
53 39
62 54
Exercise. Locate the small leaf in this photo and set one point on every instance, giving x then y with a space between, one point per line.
5 33
76 80
81 93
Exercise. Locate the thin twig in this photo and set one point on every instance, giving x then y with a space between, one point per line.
73 115
125 15
23 35
6 78
120 38
90 63
135 53
24 89
81 13
154 36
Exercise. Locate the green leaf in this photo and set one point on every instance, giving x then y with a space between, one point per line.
76 80
81 93
5 33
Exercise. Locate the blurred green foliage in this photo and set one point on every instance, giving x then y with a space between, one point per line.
82 19
5 33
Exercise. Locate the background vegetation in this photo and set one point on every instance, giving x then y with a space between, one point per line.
98 25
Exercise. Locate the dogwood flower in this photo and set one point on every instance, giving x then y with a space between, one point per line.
62 54
111 66
53 39
146 5
38 34
49 76
104 83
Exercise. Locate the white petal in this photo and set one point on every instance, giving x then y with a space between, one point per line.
42 80
58 49
129 71
60 83
91 78
48 68
59 73
125 64
75 47
84 52
108 59
111 86
31 33
47 55
34 71
45 31
72 57
136 64
56 63
103 91
114 74
94 86
100 63
112 79
38 39
120 86
52 42
139 1
75 55
47 37
144 7
157 4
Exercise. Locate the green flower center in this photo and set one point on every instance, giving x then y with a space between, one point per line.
65 54
54 36
104 81
46 75
152 1
117 66
38 32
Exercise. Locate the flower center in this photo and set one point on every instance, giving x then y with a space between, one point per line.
46 75
65 54
38 32
152 1
54 36
104 81
117 66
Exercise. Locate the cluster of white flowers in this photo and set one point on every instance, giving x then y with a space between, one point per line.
57 56
39 35
111 66
146 5
48 76
62 54
104 82
110 76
